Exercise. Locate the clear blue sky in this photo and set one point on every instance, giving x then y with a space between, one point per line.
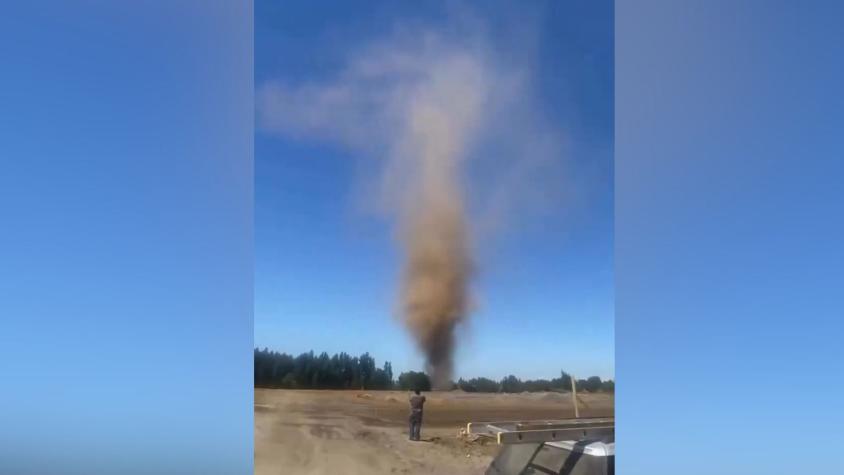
326 273
126 238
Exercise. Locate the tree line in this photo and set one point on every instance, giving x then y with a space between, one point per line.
343 371
310 371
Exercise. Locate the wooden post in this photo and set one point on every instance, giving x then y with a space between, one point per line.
574 397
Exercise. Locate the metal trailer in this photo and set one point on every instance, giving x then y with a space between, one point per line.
562 447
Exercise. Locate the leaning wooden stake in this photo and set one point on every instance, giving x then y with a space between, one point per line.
574 397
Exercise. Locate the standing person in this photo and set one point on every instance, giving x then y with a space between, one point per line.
416 403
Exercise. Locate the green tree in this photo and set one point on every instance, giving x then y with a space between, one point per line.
413 380
289 381
511 384
592 384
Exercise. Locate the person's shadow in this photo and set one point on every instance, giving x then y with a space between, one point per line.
428 439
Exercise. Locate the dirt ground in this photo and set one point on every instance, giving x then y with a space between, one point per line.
359 432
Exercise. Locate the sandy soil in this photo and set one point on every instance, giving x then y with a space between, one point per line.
357 432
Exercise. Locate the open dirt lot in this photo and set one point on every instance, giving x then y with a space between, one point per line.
359 432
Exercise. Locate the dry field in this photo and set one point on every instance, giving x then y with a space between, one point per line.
358 432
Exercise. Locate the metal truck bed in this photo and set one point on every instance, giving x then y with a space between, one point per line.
563 447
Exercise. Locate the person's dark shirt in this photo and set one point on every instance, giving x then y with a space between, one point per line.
416 402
